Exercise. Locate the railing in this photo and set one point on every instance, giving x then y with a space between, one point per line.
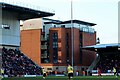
43 46
44 52
44 55
21 4
93 63
43 39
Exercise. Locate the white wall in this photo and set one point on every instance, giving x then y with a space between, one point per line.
32 24
10 36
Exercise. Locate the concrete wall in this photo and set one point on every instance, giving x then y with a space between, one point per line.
31 39
32 24
30 44
10 36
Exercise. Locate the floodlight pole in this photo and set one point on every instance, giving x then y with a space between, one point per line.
72 34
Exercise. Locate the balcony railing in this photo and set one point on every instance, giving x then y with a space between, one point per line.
59 54
43 55
44 52
43 46
43 39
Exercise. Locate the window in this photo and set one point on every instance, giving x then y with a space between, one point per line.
5 26
67 47
67 36
81 40
49 68
55 40
55 56
54 26
44 28
55 45
62 26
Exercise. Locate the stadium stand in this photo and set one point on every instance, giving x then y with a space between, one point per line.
108 61
15 63
109 57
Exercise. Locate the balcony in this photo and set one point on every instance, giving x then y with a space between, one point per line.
59 46
87 29
43 38
59 61
59 49
44 52
59 39
59 54
43 46
44 55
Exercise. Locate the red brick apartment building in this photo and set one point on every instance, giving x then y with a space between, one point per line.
53 50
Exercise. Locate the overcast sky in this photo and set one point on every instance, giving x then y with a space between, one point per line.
104 13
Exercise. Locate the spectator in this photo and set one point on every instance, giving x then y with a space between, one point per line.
16 63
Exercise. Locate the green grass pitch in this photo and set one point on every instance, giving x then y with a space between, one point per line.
65 78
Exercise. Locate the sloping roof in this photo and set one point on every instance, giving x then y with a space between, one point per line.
104 47
25 12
